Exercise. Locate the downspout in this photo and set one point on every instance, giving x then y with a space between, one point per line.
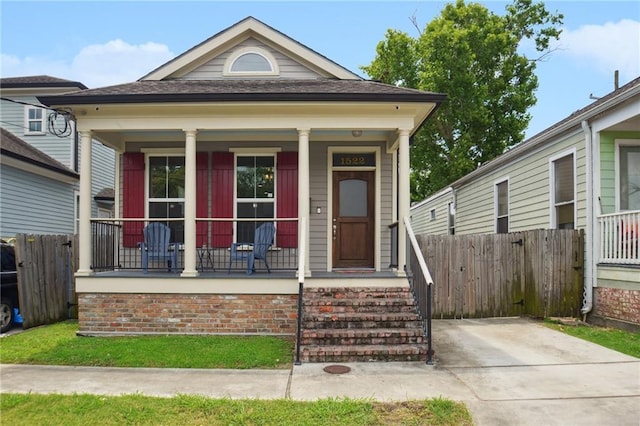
587 300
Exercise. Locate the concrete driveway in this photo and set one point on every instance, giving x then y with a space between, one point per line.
522 373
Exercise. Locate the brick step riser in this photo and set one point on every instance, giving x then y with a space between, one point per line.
329 354
334 325
374 309
385 341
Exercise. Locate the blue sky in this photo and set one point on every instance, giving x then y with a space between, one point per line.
103 43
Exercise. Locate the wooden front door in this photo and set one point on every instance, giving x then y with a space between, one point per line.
353 219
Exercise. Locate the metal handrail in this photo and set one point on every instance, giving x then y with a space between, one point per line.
302 255
417 292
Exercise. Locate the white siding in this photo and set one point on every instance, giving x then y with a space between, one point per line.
289 68
34 204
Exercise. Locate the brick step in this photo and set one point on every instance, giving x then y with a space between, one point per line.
349 336
358 305
364 353
357 292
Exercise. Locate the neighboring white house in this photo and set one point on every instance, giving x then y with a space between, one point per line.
581 173
32 201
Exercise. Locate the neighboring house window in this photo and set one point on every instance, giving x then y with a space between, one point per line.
629 177
34 120
251 61
451 224
166 192
433 214
502 207
563 192
254 193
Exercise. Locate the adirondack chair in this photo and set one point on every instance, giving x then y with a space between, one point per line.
258 250
157 245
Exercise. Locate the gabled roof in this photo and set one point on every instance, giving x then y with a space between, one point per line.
244 90
36 81
13 147
248 27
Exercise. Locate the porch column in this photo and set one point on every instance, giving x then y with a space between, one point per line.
404 196
303 188
84 237
190 205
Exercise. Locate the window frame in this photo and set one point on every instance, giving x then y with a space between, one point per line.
231 60
28 120
147 196
236 200
496 205
451 219
553 206
618 169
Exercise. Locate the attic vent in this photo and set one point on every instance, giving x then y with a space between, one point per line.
251 61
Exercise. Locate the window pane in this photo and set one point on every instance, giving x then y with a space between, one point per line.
255 177
563 170
630 177
245 177
503 225
264 177
35 126
175 177
170 210
503 198
564 216
157 177
251 62
35 114
353 198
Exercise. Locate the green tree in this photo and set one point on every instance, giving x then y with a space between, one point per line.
471 54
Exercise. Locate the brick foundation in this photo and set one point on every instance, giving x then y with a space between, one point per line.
109 313
618 304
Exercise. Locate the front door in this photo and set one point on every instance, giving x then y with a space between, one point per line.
353 219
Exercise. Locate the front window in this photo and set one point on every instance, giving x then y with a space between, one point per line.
254 193
629 177
34 120
563 193
502 207
166 192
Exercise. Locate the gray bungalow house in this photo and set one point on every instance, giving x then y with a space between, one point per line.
39 191
581 173
247 128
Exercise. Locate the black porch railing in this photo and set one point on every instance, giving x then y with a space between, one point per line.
421 286
117 245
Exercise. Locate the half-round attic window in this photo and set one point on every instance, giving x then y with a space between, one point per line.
251 61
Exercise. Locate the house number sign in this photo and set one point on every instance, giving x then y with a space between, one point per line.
354 160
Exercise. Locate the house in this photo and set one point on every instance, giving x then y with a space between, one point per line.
40 182
247 127
581 173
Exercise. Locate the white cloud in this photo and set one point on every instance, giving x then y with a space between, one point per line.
96 65
607 47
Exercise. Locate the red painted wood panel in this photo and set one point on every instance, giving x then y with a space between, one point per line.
287 193
202 197
132 196
222 198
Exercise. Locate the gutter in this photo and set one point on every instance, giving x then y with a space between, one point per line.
587 296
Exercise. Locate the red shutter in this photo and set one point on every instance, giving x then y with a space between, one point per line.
287 176
222 198
202 197
132 196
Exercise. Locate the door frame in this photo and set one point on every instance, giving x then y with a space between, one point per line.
377 202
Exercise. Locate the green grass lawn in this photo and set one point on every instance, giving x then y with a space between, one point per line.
29 409
57 344
618 340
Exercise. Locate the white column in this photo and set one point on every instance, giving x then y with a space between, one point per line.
404 196
190 205
303 188
85 241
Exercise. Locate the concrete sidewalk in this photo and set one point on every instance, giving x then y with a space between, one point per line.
507 371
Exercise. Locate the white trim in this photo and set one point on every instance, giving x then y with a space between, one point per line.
231 60
255 151
553 220
43 124
162 151
377 202
616 166
496 216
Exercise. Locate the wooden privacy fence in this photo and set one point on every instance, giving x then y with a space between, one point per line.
46 266
537 273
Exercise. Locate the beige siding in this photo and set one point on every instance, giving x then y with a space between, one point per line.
529 191
289 68
318 193
421 214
